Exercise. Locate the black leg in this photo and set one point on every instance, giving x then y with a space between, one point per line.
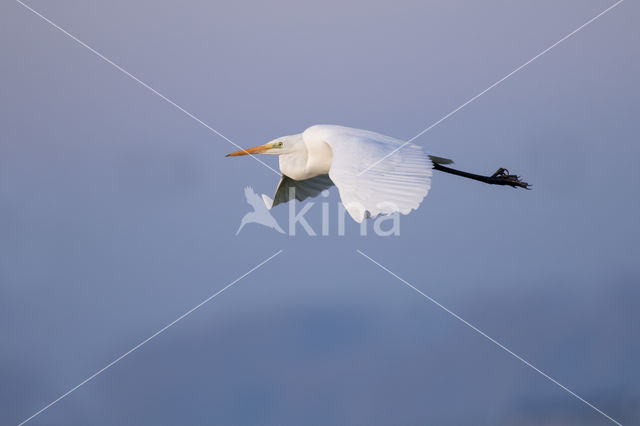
500 177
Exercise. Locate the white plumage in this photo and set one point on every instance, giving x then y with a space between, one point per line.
351 158
398 183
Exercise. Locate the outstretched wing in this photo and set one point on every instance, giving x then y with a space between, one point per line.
300 189
369 187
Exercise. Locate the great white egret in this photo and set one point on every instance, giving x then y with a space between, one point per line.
375 174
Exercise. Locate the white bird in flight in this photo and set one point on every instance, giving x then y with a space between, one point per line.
375 174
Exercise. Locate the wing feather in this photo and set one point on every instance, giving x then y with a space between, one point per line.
399 183
303 188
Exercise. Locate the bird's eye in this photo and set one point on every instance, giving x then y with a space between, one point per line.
279 144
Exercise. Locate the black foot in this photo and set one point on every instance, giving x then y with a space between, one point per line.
503 177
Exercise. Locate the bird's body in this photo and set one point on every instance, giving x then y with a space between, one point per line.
311 157
375 174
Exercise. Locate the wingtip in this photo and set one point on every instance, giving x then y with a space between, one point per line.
267 201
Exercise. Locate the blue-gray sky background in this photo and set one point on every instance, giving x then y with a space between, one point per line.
118 213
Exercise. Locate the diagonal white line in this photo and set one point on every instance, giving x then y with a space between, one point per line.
115 361
142 83
492 86
491 339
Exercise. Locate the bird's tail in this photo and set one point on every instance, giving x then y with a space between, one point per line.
440 160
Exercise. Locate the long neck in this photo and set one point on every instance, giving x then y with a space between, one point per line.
305 160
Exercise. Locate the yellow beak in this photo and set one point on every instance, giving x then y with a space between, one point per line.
255 150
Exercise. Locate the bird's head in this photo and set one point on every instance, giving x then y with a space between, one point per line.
279 146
